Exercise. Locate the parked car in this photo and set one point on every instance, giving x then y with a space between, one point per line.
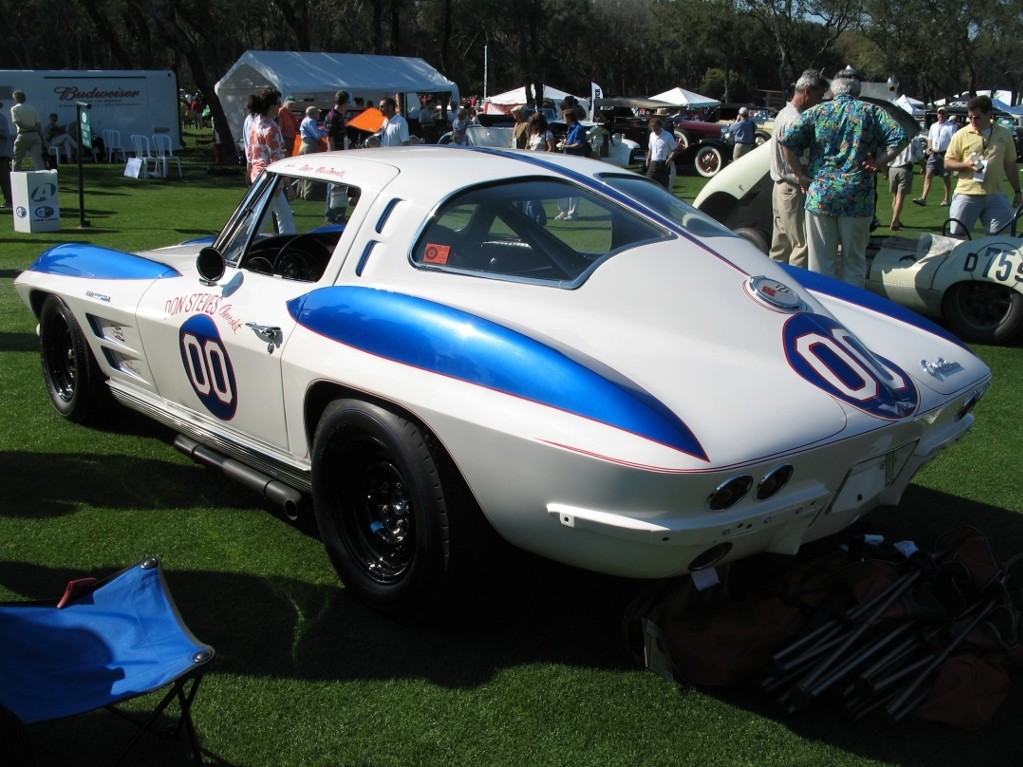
498 136
615 150
725 114
704 148
629 388
975 287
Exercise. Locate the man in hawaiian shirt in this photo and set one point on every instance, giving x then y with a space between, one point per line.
850 141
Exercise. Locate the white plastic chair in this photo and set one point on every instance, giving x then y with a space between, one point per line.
164 154
56 152
145 154
112 144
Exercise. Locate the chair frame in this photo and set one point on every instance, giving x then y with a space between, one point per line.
140 142
165 156
111 148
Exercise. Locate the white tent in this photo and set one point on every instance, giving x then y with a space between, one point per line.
503 103
313 79
913 106
680 97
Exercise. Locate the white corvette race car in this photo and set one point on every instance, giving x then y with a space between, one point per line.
478 340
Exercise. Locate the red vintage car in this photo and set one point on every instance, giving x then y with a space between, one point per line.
705 149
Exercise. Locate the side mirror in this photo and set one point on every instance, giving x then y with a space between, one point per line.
210 265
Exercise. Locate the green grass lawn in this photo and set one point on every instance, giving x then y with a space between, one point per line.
535 673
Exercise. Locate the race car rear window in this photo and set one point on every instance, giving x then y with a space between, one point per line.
659 199
536 229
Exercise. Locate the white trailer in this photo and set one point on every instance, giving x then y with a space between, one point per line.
130 101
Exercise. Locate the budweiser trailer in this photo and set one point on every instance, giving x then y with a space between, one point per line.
130 101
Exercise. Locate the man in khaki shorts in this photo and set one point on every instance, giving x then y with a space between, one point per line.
900 180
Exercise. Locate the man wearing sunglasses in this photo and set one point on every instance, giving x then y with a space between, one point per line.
984 156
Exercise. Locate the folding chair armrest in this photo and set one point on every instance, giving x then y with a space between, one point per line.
76 589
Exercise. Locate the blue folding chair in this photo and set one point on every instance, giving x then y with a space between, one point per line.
103 643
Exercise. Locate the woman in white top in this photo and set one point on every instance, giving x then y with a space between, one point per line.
540 138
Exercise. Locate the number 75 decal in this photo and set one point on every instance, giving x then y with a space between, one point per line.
995 262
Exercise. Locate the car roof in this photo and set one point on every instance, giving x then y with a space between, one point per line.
475 165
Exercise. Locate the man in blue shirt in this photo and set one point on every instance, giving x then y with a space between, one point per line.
742 132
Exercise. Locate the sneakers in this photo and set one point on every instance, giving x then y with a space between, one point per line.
943 203
561 216
569 217
920 201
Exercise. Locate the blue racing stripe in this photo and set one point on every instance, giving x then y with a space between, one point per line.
454 343
829 286
74 260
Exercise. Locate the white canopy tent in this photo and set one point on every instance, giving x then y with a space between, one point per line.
312 79
503 103
680 97
913 106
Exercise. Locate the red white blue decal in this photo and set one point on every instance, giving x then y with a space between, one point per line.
208 367
828 356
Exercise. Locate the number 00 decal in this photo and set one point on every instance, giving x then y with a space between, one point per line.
826 355
208 367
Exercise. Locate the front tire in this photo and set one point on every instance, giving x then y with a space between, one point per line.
384 506
73 379
708 161
983 312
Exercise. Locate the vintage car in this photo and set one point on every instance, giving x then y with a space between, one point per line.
613 149
726 114
974 286
630 388
703 147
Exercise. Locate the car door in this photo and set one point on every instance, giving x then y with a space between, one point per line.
215 349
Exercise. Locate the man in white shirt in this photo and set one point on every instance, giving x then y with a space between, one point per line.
788 239
660 147
30 133
394 131
938 137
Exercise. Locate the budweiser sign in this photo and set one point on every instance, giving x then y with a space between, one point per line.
73 93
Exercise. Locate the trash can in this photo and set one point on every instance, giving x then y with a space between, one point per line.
36 203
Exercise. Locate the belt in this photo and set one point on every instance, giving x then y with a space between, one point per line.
658 162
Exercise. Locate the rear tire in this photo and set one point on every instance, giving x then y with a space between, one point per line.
73 379
389 510
983 312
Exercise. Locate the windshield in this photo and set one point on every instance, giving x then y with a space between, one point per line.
280 207
542 230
